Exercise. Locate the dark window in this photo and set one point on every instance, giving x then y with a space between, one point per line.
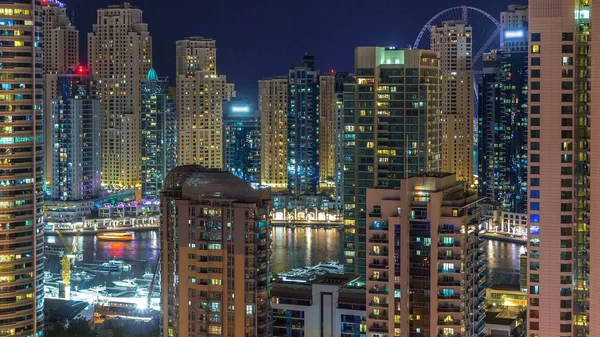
566 98
535 109
535 85
566 85
566 122
567 48
566 134
535 98
566 231
534 146
536 37
534 170
535 73
535 121
566 109
567 36
564 219
535 61
535 158
535 133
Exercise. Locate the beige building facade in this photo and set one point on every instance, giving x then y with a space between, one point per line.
426 261
215 258
272 103
120 56
453 41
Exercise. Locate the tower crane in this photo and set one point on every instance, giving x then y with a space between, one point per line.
65 262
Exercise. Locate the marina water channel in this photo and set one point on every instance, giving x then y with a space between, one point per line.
292 248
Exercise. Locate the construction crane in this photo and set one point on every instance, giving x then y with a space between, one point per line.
65 262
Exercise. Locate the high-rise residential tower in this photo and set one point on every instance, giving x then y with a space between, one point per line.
215 258
392 130
562 261
503 116
241 146
120 56
200 96
453 40
22 167
61 38
159 134
272 103
61 55
303 112
75 137
331 87
426 263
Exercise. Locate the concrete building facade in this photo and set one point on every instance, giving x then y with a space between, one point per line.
426 263
329 306
215 258
272 103
120 56
453 40
560 275
200 96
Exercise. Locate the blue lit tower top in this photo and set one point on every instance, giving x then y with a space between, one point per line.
152 75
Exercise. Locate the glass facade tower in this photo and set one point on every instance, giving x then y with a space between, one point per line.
392 130
303 127
159 134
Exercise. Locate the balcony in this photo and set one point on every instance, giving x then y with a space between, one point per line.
379 265
378 328
448 231
377 290
375 214
449 322
449 297
377 239
449 244
449 271
453 257
382 278
448 309
380 253
450 283
378 304
380 317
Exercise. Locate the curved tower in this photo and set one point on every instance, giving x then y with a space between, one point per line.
21 169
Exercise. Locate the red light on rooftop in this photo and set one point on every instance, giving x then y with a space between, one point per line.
332 70
81 70
44 2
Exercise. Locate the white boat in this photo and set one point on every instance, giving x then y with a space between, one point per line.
127 283
48 277
148 276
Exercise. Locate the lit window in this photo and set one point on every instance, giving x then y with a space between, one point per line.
535 48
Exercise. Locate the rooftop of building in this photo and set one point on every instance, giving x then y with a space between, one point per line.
197 181
506 287
351 287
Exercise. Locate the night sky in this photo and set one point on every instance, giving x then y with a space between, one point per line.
262 38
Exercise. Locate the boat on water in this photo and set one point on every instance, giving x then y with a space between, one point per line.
148 276
127 283
109 267
115 236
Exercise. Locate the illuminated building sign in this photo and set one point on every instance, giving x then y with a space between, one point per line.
514 34
582 14
240 108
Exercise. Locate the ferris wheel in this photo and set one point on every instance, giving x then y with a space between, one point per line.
486 29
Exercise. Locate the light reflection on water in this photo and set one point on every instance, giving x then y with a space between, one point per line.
299 247
292 248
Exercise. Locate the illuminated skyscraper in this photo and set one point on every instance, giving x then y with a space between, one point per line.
272 103
22 167
120 56
453 41
392 130
159 134
563 271
503 116
426 263
61 54
201 93
216 239
241 132
75 138
303 127
331 86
